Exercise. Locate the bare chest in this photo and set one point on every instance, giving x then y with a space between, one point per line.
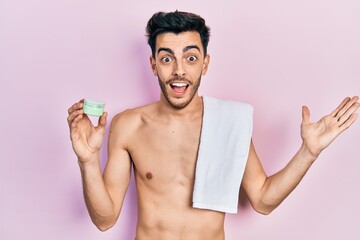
166 153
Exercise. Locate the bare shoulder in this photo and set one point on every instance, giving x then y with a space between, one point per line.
130 120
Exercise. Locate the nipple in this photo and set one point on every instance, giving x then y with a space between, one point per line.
149 175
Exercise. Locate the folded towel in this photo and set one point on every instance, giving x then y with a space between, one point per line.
223 152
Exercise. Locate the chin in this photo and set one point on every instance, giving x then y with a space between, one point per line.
178 104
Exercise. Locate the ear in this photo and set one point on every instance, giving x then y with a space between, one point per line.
205 64
153 65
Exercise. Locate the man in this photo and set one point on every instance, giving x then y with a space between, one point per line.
161 141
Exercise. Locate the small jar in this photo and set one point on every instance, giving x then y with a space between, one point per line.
93 108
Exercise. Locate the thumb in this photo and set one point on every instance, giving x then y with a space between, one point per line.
305 114
102 122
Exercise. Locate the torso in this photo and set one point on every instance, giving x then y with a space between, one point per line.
164 152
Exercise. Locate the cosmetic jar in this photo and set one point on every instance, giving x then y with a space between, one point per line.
93 107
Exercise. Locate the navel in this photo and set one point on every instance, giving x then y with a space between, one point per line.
149 175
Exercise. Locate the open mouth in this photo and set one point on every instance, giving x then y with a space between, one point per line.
179 87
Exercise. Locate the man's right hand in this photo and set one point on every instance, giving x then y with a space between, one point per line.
86 139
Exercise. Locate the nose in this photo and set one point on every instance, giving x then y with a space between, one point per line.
179 70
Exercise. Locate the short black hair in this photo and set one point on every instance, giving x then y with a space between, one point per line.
176 22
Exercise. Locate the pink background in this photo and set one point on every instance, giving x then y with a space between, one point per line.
276 55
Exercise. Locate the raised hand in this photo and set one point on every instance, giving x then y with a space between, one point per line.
85 137
317 136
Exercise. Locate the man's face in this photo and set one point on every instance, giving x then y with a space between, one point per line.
179 64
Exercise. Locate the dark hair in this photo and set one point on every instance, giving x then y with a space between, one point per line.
176 22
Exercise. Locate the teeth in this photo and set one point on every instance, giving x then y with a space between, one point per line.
179 84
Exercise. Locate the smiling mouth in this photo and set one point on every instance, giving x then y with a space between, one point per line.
179 87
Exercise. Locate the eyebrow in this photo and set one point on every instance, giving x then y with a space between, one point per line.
166 50
187 48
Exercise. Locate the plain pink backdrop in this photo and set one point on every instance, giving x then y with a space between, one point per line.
276 55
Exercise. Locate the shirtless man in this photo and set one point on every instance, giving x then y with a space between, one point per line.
161 140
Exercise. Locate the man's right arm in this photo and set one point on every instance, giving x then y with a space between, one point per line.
104 194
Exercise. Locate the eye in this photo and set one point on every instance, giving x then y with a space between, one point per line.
166 59
192 58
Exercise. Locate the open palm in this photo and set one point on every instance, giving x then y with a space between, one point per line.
317 136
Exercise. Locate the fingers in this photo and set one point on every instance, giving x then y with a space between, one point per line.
75 114
349 122
76 106
347 110
75 118
305 115
344 106
102 122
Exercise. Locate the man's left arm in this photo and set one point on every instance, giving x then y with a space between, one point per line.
266 193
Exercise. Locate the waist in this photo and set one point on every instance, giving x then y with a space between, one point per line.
179 223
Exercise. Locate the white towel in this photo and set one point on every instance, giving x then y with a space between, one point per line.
223 152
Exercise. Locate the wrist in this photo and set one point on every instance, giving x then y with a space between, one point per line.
308 154
90 161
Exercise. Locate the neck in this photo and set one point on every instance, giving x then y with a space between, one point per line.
193 108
